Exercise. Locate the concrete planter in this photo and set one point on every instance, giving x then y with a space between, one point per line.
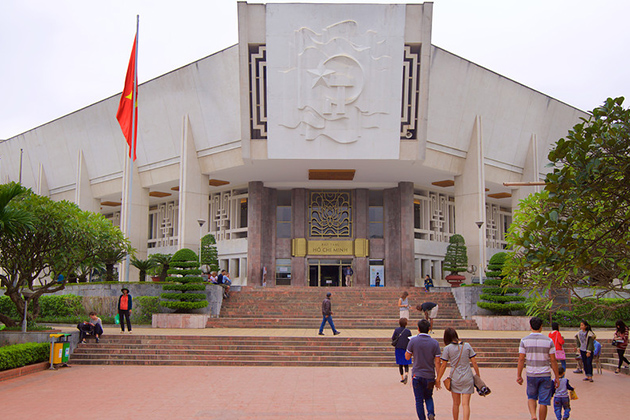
502 323
179 321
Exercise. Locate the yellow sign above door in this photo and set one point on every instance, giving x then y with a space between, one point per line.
330 248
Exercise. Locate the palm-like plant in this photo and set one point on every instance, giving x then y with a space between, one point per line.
110 257
162 261
13 220
143 266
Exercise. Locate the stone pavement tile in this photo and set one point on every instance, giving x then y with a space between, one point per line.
243 393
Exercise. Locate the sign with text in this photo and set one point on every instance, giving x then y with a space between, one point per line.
330 248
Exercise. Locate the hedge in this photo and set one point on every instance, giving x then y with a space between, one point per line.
184 305
605 315
19 355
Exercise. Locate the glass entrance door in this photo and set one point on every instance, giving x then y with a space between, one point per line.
326 273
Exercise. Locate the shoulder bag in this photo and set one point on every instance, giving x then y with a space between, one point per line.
447 381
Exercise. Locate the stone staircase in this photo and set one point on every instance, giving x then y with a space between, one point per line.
355 308
265 351
280 351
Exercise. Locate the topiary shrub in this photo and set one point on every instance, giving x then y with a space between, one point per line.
498 297
184 271
456 260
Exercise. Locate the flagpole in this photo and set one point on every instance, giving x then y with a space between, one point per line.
132 145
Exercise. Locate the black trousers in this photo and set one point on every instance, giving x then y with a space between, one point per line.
122 315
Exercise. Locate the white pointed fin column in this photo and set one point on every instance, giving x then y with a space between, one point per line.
42 182
137 211
193 192
470 198
83 196
531 173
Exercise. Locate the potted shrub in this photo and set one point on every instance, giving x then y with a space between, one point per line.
183 296
456 260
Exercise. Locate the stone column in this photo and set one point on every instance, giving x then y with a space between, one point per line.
408 272
361 221
391 234
299 226
261 233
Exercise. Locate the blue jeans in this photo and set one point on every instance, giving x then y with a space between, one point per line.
563 363
423 391
558 404
330 321
588 363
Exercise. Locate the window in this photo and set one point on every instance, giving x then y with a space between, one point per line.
283 215
375 214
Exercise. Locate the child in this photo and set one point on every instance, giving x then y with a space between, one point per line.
561 399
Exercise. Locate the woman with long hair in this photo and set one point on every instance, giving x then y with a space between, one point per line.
403 305
460 355
558 341
620 340
401 335
585 342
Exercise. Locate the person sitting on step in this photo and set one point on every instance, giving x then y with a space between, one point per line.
91 328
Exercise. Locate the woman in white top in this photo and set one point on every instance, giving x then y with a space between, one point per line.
460 355
403 305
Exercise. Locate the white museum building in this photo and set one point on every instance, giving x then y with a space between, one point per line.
331 135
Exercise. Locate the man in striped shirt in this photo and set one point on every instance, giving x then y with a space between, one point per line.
540 354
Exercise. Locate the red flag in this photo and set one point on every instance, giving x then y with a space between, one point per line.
125 108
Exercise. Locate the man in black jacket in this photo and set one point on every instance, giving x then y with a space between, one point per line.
327 313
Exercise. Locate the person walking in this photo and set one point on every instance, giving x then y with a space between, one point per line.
540 354
558 342
462 383
401 337
403 305
348 273
425 352
327 315
620 340
125 303
585 342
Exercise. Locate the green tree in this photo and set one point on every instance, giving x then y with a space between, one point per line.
209 253
577 232
184 270
61 239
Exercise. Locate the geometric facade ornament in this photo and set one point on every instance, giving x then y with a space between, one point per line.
410 93
258 91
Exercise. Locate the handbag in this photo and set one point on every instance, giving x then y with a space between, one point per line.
561 355
395 339
447 381
117 319
573 394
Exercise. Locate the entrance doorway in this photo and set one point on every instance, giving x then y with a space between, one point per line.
327 273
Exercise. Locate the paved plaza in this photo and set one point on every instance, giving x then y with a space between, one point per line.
241 393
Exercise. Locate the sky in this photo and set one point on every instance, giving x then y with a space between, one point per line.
60 56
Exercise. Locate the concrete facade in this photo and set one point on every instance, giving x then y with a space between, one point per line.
344 103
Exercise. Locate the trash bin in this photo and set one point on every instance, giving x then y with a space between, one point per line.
59 349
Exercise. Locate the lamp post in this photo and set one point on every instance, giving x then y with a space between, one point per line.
26 293
480 225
